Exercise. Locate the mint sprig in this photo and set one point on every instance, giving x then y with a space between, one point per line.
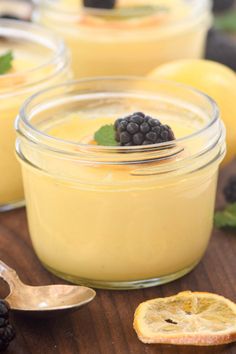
106 136
129 12
6 62
227 217
226 22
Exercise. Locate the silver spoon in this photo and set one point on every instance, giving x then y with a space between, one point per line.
43 300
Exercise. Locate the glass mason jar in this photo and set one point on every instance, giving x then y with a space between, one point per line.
119 217
18 9
40 59
114 42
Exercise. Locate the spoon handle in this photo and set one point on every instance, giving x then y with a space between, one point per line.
9 275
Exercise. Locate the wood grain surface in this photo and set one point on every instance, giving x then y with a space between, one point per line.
105 325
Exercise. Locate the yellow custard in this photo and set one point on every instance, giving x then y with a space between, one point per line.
110 44
32 69
120 219
11 188
100 229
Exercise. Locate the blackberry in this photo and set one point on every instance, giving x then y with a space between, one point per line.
139 129
222 5
7 332
221 48
9 17
100 4
230 190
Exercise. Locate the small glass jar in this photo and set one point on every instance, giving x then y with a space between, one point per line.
119 217
17 9
40 60
114 42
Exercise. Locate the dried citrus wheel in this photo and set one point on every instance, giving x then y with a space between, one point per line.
188 318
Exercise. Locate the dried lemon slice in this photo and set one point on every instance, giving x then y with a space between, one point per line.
188 318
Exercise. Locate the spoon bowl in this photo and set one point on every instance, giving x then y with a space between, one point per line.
43 300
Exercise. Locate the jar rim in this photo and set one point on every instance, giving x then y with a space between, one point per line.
25 128
198 8
39 35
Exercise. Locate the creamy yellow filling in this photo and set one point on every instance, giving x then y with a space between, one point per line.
78 126
15 87
26 58
101 222
172 11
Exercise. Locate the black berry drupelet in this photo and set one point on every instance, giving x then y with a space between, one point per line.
222 5
7 332
230 190
9 17
139 129
100 4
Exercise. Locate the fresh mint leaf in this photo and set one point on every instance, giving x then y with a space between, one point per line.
227 217
129 12
226 22
6 62
106 136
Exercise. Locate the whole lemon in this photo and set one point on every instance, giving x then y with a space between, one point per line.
216 80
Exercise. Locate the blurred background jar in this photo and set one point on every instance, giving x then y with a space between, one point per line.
36 59
132 38
16 9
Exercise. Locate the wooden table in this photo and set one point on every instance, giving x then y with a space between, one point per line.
105 325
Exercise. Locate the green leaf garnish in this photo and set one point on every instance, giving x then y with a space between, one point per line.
226 22
127 13
227 217
6 62
106 136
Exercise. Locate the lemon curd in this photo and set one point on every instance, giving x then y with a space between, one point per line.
39 59
131 39
119 217
10 178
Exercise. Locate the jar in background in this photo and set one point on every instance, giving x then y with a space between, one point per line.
132 39
16 9
40 59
